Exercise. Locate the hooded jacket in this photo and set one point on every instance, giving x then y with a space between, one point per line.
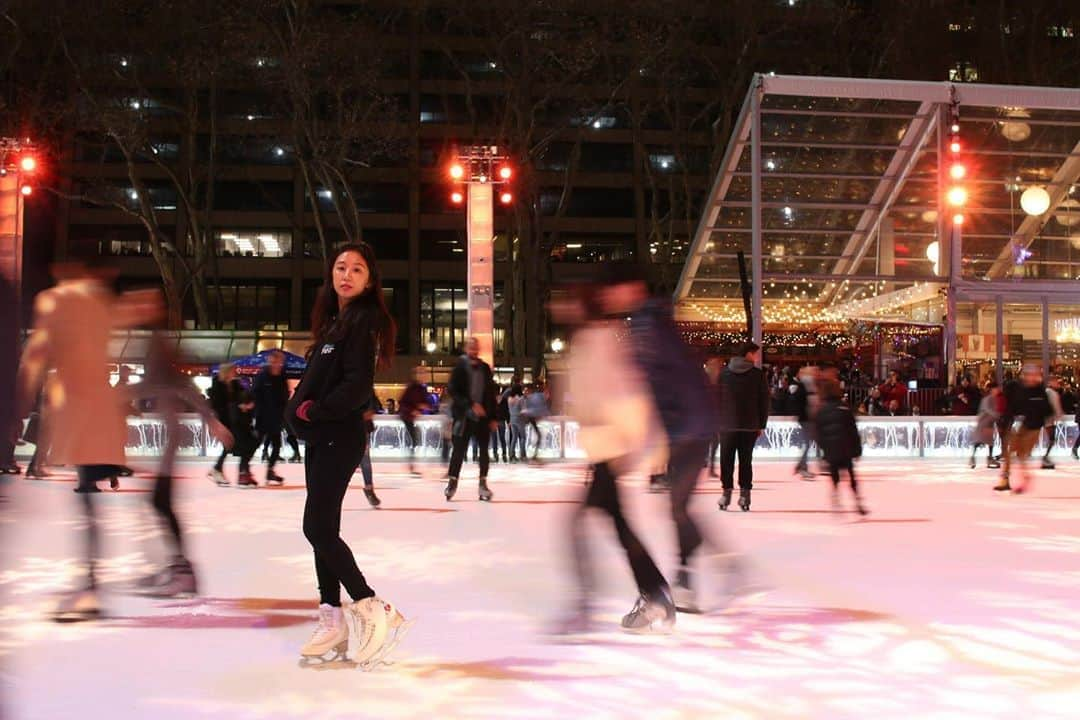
746 396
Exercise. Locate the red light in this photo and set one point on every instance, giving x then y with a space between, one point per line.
506 198
958 219
957 171
456 171
955 146
28 164
456 197
505 172
26 189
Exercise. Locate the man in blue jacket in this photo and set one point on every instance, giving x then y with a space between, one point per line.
681 395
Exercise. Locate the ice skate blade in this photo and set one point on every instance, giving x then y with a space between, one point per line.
336 658
67 618
657 627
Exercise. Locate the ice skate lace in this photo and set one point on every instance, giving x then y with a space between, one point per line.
325 626
639 607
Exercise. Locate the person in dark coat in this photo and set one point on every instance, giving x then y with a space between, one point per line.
838 437
893 394
680 392
472 387
414 403
1029 402
746 411
803 390
271 392
230 403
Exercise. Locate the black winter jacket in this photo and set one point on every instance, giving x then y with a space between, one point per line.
745 396
339 380
271 395
459 387
837 433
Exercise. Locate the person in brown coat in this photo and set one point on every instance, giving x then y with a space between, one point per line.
85 421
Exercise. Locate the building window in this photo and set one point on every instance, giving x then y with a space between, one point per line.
245 306
443 317
256 196
254 243
593 248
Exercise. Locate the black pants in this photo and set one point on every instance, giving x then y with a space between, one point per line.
294 444
271 437
989 450
539 438
739 442
834 473
161 498
685 462
603 494
412 436
1051 437
807 430
328 468
478 429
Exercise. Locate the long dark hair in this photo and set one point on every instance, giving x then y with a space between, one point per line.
329 323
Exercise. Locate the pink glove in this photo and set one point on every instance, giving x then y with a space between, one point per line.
302 410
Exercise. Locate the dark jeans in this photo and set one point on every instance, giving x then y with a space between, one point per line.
739 442
504 434
517 439
603 494
161 498
478 429
685 462
328 468
714 445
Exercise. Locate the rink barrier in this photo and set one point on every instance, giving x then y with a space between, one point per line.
922 436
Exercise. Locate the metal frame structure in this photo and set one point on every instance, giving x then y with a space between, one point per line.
795 109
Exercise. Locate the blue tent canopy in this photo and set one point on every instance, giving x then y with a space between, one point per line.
251 364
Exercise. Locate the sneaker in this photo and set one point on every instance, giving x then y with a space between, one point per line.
272 478
218 477
78 606
651 614
331 635
246 480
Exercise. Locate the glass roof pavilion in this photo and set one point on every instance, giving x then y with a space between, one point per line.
859 198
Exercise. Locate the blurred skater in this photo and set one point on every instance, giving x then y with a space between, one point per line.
87 429
473 390
838 437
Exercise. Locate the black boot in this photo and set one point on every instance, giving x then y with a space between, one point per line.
451 488
485 493
744 500
725 499
372 498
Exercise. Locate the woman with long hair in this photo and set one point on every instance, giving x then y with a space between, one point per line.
352 333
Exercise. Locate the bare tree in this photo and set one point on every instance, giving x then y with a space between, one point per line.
327 66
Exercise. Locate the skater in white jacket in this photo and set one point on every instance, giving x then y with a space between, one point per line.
618 431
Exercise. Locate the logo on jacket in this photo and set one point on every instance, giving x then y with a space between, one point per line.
327 349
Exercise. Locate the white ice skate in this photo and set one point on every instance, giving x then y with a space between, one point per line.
331 636
378 627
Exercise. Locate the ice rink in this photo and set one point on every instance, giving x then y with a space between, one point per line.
948 601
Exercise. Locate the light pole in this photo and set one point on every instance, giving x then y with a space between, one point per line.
481 172
18 165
